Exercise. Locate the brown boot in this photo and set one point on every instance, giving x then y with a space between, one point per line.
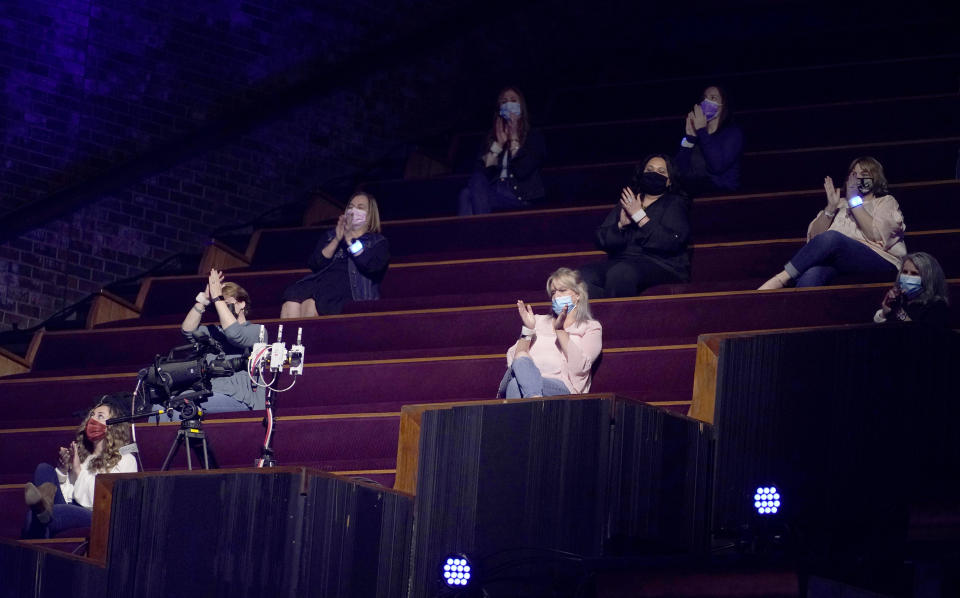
40 500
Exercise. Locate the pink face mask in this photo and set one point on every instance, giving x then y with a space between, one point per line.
357 218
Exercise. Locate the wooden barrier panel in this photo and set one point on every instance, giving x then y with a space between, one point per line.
516 482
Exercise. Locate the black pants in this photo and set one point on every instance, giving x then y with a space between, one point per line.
624 277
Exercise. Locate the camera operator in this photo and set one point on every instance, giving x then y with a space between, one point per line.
236 392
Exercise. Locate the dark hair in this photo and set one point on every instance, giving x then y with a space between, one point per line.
673 187
873 166
118 435
524 114
726 112
931 277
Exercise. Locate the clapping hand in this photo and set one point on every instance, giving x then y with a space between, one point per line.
561 319
206 291
65 460
629 202
500 131
215 283
852 189
699 119
75 464
834 199
526 315
342 227
688 125
891 299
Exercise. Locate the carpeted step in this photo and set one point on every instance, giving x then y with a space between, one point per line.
763 88
427 285
779 128
363 442
926 205
654 373
629 321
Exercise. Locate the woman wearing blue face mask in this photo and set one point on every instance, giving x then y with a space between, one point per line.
645 235
556 352
918 295
858 232
507 176
710 151
348 264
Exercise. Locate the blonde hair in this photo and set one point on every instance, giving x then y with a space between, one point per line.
373 213
118 435
572 280
232 289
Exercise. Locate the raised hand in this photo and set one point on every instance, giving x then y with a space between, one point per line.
852 186
513 130
341 230
526 315
65 460
699 119
629 202
75 464
688 128
215 283
560 319
500 131
834 198
891 299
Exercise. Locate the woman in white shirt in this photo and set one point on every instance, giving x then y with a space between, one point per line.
556 352
61 498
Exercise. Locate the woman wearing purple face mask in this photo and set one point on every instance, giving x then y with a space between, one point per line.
710 151
507 174
918 295
61 497
348 264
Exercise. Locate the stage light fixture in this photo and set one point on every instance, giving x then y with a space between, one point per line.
766 500
457 571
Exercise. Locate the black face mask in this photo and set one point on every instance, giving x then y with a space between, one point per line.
652 183
864 184
233 309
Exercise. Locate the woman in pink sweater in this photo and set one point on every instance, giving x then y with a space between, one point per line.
857 233
555 352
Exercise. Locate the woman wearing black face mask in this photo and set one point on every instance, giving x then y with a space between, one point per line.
857 233
645 236
235 334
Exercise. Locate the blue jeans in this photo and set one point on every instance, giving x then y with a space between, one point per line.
480 196
523 380
831 253
65 516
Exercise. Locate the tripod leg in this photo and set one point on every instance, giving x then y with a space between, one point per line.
173 451
208 455
189 462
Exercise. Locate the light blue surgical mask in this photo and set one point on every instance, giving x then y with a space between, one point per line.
510 110
911 285
560 302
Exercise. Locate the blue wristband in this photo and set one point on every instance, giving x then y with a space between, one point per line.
855 201
355 247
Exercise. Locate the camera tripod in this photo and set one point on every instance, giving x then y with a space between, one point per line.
191 429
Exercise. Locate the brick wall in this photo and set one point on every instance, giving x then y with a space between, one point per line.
90 84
